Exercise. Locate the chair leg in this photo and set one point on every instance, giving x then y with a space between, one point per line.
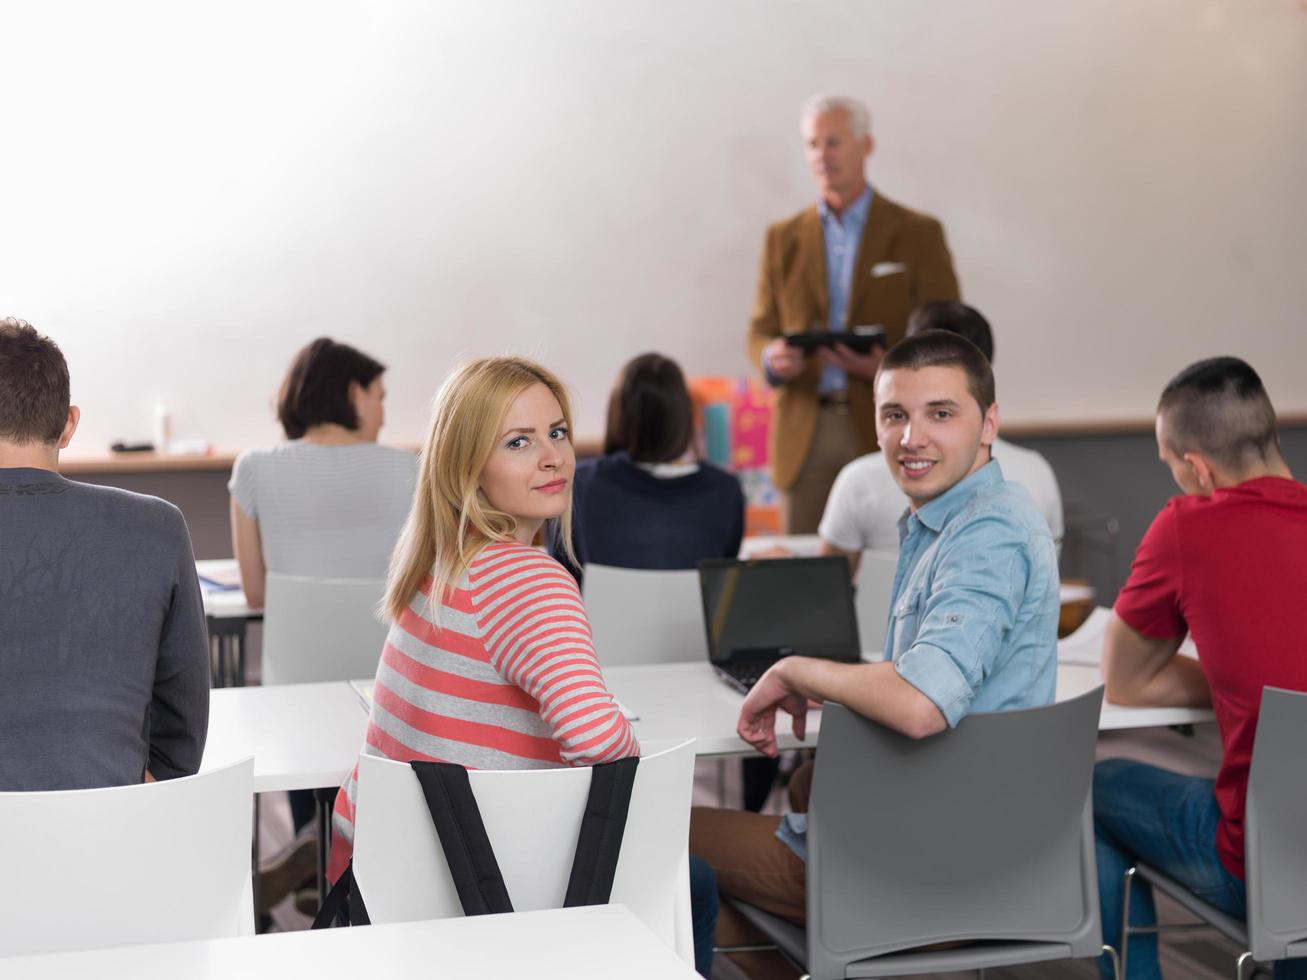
1116 961
1245 959
1127 880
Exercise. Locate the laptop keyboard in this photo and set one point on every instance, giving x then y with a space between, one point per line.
748 674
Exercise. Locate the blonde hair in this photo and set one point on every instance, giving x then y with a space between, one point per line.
450 521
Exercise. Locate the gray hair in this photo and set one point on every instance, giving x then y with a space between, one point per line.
859 117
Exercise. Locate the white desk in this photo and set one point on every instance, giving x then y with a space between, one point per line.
302 736
678 701
226 612
592 943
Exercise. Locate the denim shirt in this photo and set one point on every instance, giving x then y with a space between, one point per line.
973 617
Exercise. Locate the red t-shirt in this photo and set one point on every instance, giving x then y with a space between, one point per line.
1231 570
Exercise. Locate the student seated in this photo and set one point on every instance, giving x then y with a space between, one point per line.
648 502
453 684
329 502
973 627
104 657
865 503
1224 564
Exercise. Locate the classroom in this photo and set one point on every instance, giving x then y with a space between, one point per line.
758 287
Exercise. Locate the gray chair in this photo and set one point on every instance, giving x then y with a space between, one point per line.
982 837
642 616
1275 857
321 629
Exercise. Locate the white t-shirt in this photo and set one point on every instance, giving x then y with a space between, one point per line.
865 504
326 511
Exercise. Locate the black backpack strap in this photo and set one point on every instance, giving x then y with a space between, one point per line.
344 903
463 838
599 843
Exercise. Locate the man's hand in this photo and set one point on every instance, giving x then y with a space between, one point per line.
757 724
783 362
852 363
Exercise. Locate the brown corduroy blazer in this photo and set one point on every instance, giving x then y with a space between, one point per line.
792 298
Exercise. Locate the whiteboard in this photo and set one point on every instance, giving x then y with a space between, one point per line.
190 192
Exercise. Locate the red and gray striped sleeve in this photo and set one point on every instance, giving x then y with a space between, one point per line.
538 638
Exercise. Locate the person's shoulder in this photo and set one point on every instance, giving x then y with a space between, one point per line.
910 218
512 557
128 507
1021 464
718 478
1005 504
788 228
864 477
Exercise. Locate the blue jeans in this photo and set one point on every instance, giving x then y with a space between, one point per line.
1168 821
703 913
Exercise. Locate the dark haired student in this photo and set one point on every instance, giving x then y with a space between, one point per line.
973 627
328 503
1224 564
104 659
648 502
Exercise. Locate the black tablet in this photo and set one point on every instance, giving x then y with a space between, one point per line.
862 341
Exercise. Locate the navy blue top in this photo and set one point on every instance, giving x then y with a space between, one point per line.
628 518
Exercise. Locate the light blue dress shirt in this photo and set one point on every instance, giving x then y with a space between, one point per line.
973 617
841 234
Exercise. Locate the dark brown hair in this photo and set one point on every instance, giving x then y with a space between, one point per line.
34 387
316 388
650 414
1220 408
955 317
938 348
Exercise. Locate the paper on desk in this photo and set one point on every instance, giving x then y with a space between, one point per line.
1084 647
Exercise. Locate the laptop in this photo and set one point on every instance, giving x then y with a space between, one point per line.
757 611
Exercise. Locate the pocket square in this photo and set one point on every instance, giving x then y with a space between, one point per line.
887 269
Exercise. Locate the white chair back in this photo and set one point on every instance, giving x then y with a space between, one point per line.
128 865
638 616
532 818
871 601
321 629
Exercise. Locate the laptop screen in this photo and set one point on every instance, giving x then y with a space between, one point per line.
779 607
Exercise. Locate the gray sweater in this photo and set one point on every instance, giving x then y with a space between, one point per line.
104 666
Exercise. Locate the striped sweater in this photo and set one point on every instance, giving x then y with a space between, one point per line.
508 681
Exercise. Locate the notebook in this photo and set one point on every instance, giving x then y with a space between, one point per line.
758 611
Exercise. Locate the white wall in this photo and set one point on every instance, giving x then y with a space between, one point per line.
188 193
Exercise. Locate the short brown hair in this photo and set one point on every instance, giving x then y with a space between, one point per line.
34 390
1219 407
650 415
316 388
938 348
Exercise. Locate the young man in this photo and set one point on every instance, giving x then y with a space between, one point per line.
1223 563
973 627
104 662
865 503
854 258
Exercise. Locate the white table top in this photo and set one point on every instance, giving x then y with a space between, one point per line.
687 700
302 736
596 942
223 603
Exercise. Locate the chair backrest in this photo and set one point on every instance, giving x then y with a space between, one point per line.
871 601
321 629
638 616
532 818
127 865
985 832
1274 817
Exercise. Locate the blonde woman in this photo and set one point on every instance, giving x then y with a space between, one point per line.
489 662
